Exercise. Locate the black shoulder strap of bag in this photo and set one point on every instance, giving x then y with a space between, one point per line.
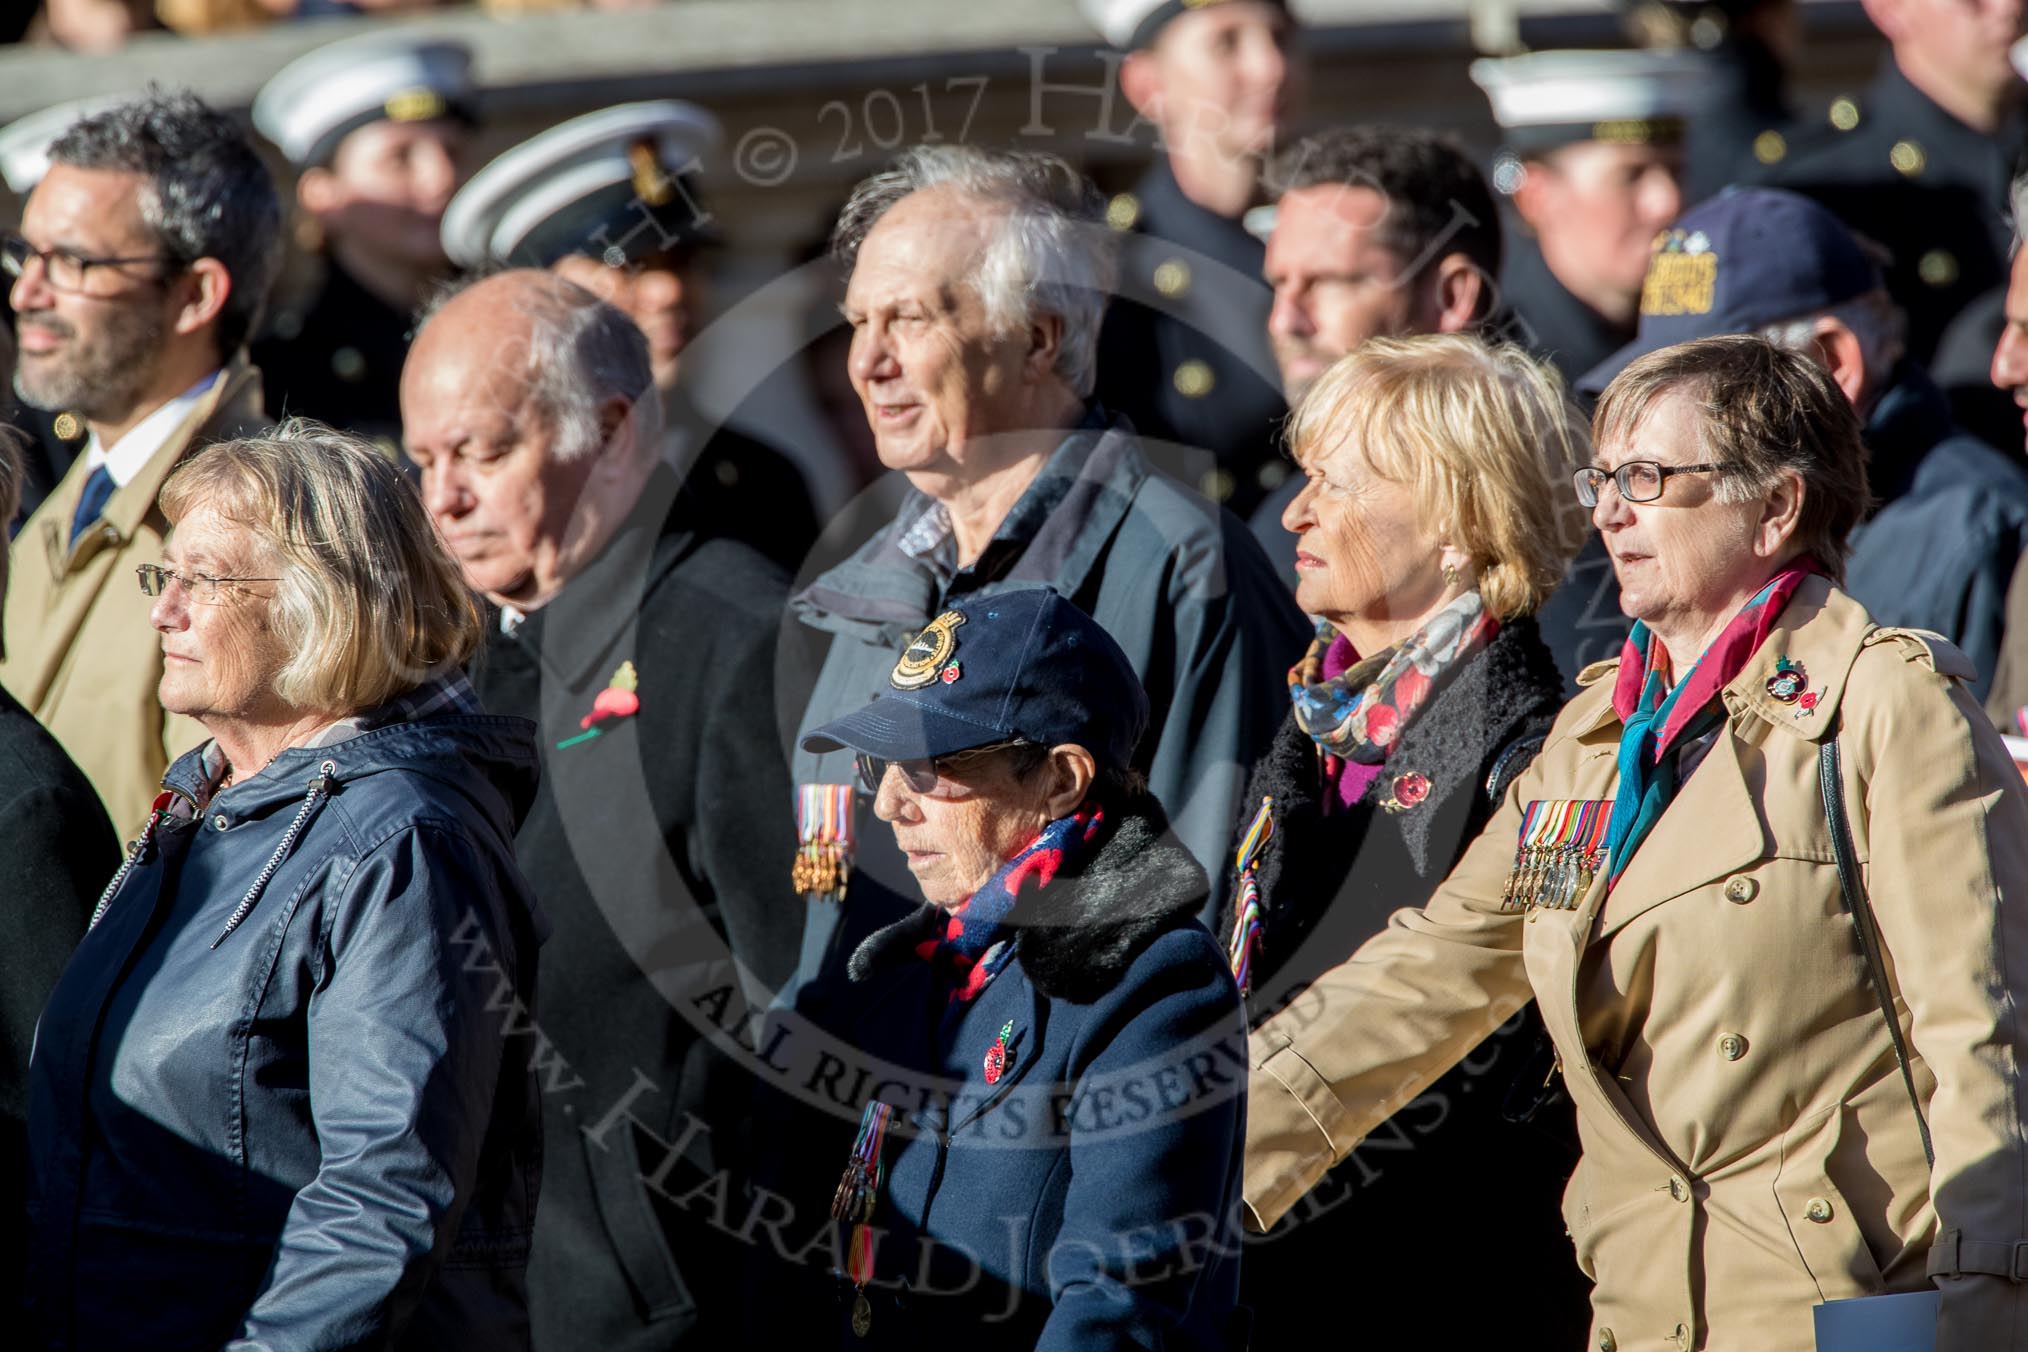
1856 906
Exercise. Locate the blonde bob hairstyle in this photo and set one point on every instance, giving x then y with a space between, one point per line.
369 603
1484 438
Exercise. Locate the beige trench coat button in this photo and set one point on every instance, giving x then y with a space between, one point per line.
1741 890
1818 1210
1679 1190
1682 1337
1606 1341
1732 1046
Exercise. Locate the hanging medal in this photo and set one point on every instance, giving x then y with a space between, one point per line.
1247 918
824 828
855 1201
1559 853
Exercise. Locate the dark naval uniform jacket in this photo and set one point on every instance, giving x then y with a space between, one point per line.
1581 621
337 358
1085 1195
1184 354
654 846
1940 551
1901 171
1486 1139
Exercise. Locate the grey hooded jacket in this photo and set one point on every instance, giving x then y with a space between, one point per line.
1176 580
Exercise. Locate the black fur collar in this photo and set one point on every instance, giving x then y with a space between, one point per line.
1077 940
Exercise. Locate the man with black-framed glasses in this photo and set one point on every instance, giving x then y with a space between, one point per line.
142 260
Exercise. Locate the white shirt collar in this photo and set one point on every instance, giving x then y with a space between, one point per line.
132 452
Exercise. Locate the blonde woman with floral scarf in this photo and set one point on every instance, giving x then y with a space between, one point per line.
1436 518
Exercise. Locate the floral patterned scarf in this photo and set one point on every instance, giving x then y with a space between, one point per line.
1357 709
972 946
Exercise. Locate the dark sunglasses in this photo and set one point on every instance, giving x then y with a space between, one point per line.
927 776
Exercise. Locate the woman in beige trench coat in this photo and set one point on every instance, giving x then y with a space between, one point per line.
1750 1145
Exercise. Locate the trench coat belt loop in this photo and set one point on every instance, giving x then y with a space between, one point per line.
1953 1256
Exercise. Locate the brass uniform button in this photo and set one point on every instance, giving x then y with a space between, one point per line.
1770 147
1844 113
1741 890
69 426
1216 484
1679 1190
1908 158
1272 475
1172 278
1606 1341
348 364
1123 211
1938 267
1732 1046
1194 379
726 473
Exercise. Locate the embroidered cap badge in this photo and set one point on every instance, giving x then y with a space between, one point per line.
924 658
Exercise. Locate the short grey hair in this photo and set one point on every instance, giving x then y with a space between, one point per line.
1874 319
207 193
1050 251
582 352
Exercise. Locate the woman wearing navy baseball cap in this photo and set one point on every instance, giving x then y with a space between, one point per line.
1049 1155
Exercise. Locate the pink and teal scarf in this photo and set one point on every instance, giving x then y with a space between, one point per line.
1659 717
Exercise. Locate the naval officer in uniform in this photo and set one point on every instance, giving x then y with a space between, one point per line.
379 131
1592 162
610 201
1184 353
1920 160
1593 165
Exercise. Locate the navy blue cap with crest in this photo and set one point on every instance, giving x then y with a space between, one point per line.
1023 664
1743 260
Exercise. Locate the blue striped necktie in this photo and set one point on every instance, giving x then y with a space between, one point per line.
98 488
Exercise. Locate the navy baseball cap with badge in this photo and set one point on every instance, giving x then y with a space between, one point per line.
1743 260
1021 665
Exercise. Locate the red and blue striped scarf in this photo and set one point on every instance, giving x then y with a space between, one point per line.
973 947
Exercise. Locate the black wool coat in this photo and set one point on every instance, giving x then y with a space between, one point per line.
655 849
59 851
1452 1164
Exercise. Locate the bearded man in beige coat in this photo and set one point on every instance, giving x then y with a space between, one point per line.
1662 881
144 256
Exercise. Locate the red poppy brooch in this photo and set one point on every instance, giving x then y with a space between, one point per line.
617 700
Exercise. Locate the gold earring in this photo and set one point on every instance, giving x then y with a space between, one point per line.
1450 572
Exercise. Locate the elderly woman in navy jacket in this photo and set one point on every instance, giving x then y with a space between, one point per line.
1050 1152
277 1099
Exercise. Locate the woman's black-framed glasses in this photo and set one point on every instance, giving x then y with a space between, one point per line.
155 580
65 269
1637 480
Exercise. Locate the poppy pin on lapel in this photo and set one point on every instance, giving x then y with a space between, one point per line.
1789 682
618 700
997 1055
1407 790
